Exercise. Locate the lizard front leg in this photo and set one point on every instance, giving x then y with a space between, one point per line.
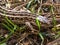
34 31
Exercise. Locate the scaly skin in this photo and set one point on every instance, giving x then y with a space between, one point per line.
22 15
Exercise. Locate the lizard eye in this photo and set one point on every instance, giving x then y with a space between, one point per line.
43 19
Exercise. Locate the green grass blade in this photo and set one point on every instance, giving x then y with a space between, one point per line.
6 38
7 27
54 21
3 44
9 21
8 24
15 27
38 23
29 4
53 17
41 36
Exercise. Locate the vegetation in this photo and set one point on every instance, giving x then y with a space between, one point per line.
15 31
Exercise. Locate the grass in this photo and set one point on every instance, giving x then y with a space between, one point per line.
38 23
53 16
40 34
3 44
11 27
39 11
55 29
8 24
32 4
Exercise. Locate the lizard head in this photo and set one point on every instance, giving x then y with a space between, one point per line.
43 19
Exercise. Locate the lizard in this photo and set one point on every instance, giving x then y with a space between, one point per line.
15 14
23 17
